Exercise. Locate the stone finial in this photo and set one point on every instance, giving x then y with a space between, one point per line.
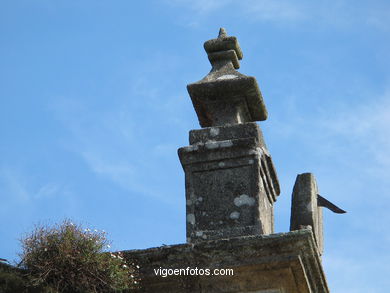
222 33
226 96
305 210
224 48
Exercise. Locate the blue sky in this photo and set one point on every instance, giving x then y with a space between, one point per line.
93 107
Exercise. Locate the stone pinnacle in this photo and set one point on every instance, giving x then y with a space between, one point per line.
222 33
225 96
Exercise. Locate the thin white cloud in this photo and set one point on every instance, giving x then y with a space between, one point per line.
345 145
339 13
200 6
358 264
132 178
255 10
20 188
117 171
164 150
268 10
365 126
14 184
48 190
359 126
351 269
118 141
264 10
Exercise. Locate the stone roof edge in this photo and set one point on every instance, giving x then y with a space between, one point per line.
298 244
303 234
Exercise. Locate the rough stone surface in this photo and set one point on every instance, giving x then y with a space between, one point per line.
222 44
226 96
304 207
236 131
231 183
286 262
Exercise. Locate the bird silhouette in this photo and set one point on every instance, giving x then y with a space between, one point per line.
323 202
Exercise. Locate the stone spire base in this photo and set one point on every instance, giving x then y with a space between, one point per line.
231 183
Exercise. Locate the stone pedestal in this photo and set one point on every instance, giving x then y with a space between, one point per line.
231 183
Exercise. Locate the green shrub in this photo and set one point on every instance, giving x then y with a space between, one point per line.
69 258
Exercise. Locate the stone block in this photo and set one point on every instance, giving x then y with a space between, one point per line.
228 98
231 184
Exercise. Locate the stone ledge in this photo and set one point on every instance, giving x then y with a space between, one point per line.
220 102
283 261
218 133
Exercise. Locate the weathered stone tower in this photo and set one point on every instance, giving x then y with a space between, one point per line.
231 186
231 183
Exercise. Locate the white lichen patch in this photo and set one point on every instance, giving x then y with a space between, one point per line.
198 233
250 161
191 219
189 202
234 215
204 236
214 131
257 151
211 145
200 198
265 201
221 164
191 148
227 76
261 186
219 144
226 143
244 199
